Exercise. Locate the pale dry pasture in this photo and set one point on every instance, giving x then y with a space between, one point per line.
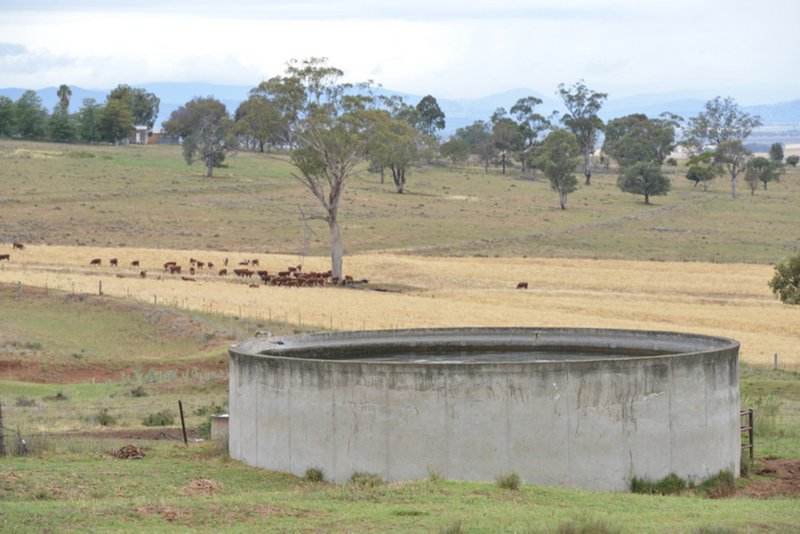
730 300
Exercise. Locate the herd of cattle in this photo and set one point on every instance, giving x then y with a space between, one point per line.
248 270
291 277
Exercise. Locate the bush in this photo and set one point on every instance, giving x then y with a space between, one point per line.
786 282
24 402
365 480
793 160
57 397
162 418
138 392
104 418
314 474
669 485
509 481
719 486
586 525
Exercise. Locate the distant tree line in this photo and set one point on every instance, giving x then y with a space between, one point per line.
113 121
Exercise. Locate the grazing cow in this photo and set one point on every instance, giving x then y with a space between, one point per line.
96 261
191 271
225 262
254 262
244 262
522 285
169 264
188 279
113 262
200 264
174 269
210 265
135 263
6 257
143 274
223 272
18 245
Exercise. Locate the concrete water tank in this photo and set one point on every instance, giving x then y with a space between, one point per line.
572 407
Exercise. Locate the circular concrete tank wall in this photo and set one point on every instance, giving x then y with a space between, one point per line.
574 407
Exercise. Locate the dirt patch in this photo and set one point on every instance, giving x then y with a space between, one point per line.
202 486
781 479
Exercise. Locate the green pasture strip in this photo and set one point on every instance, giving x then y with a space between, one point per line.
138 196
775 397
72 492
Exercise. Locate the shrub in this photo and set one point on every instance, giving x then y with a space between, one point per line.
669 485
104 418
162 418
786 281
793 160
314 474
586 525
24 402
452 528
205 429
57 397
365 480
509 481
138 392
719 486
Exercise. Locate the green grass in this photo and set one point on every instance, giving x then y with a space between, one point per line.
87 489
252 205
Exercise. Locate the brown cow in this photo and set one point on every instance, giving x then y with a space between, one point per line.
96 261
188 279
169 264
18 245
223 272
113 261
5 257
135 263
210 265
522 285
143 274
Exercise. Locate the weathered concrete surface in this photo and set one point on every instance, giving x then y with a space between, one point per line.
308 401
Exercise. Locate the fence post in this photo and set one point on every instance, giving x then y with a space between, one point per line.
775 365
2 434
183 424
100 287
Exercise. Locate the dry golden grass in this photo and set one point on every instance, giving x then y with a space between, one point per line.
730 300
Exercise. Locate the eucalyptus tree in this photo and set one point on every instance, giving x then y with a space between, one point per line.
776 152
259 121
6 116
644 178
557 160
760 169
392 143
635 138
725 126
205 129
30 116
331 138
702 168
478 138
430 117
583 105
506 136
142 105
116 122
89 121
531 126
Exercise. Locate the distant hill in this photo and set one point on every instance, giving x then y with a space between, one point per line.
458 112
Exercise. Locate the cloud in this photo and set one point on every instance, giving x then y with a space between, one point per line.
12 49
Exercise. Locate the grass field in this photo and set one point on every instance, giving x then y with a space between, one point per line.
148 197
448 253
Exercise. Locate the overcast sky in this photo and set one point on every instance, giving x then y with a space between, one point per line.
448 48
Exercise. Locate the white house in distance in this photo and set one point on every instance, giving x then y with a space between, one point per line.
139 135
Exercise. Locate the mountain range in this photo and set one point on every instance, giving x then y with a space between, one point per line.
458 112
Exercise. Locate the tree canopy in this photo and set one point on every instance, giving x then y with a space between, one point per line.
142 105
786 281
725 126
581 119
30 116
636 138
644 178
205 127
116 122
430 117
760 169
557 160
